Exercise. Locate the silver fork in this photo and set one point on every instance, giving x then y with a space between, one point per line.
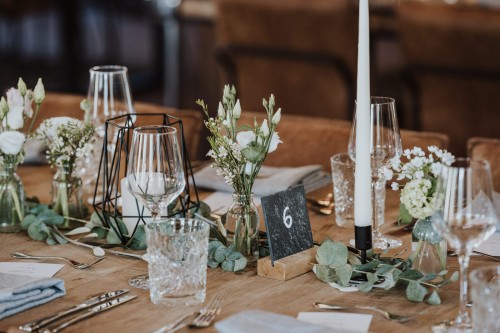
204 317
387 315
73 263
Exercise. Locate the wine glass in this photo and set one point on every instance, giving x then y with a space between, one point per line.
384 146
109 96
155 173
465 216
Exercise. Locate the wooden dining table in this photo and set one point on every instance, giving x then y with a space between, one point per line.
244 290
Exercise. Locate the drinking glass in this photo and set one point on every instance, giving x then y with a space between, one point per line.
155 173
384 146
465 216
485 293
109 96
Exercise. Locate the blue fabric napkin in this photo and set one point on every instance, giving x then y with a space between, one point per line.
253 321
18 293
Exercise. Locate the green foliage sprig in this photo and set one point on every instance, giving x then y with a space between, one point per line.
227 257
336 264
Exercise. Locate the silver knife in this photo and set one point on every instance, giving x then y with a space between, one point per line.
91 312
35 325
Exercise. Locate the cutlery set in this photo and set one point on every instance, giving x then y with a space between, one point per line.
91 307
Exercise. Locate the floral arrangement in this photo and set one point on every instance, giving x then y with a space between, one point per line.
14 111
67 139
420 171
239 152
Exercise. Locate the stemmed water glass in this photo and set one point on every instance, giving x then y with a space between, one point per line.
384 146
465 216
155 173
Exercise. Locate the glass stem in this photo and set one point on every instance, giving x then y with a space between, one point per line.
377 207
463 260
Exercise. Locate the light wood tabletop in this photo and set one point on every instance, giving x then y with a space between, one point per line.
244 290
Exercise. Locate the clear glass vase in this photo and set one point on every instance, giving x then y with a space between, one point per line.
67 197
242 226
428 248
11 199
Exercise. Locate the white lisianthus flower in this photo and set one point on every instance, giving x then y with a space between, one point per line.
244 138
275 140
265 128
28 111
221 113
14 98
237 110
4 108
39 92
11 142
22 87
277 117
14 118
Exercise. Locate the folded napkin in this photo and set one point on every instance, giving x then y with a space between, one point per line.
253 321
270 179
18 293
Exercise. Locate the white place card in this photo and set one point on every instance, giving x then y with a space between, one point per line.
30 269
340 321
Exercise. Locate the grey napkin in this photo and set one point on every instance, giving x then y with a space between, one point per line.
18 293
270 179
256 321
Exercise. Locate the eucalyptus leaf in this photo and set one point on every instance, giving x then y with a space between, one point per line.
96 220
411 274
233 255
76 231
50 217
38 209
415 291
27 220
253 153
383 269
58 238
325 273
38 231
404 216
51 240
112 237
369 266
228 265
100 232
353 259
332 253
434 298
220 253
365 287
240 263
212 263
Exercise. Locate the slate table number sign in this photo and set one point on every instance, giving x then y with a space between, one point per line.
287 223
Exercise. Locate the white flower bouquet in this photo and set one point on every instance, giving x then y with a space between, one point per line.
15 110
67 139
420 173
238 153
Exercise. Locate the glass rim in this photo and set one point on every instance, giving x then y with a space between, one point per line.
174 220
108 69
156 129
380 100
467 162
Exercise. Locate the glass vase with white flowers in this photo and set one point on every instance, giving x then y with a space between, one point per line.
67 139
16 121
238 153
418 202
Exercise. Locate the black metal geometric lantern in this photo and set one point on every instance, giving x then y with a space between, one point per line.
112 200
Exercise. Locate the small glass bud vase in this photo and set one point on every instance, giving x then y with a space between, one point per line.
428 248
242 226
67 197
11 199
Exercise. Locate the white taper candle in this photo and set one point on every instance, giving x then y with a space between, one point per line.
362 187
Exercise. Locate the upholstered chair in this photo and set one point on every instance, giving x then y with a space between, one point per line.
453 57
302 51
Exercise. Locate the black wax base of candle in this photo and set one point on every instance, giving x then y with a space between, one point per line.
363 237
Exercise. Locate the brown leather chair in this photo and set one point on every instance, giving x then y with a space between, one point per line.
56 105
313 140
302 51
487 149
453 57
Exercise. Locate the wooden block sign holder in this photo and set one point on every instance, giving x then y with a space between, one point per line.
288 267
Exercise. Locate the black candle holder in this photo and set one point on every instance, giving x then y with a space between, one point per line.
113 165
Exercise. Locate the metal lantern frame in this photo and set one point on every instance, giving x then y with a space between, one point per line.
113 167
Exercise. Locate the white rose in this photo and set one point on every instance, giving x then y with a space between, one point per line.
265 128
14 119
39 92
14 98
277 117
244 138
275 140
11 142
237 110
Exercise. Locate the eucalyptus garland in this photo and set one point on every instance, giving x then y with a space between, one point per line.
336 264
